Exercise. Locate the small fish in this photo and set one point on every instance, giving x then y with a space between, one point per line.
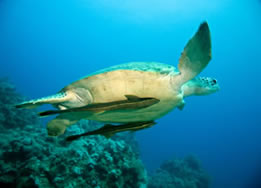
109 130
132 102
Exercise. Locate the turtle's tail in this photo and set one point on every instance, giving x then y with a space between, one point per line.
52 99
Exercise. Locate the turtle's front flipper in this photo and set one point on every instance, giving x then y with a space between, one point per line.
109 130
131 103
196 55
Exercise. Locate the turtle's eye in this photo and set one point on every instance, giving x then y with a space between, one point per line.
213 82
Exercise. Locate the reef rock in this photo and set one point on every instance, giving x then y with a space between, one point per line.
29 158
180 173
10 117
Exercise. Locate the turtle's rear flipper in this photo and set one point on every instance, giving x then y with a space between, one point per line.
52 99
196 54
109 130
58 125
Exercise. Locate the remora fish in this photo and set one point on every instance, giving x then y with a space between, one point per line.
109 130
132 102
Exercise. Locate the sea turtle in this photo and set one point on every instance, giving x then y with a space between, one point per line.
137 81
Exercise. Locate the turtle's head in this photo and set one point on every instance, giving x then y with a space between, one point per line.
200 86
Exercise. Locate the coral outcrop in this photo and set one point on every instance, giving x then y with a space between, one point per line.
29 158
180 173
10 117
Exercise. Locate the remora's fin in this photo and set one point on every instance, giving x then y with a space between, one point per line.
196 54
182 105
132 98
108 134
52 99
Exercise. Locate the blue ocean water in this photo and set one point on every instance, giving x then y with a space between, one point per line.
45 45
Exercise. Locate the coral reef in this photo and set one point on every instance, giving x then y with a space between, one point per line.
254 180
10 117
180 173
29 158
